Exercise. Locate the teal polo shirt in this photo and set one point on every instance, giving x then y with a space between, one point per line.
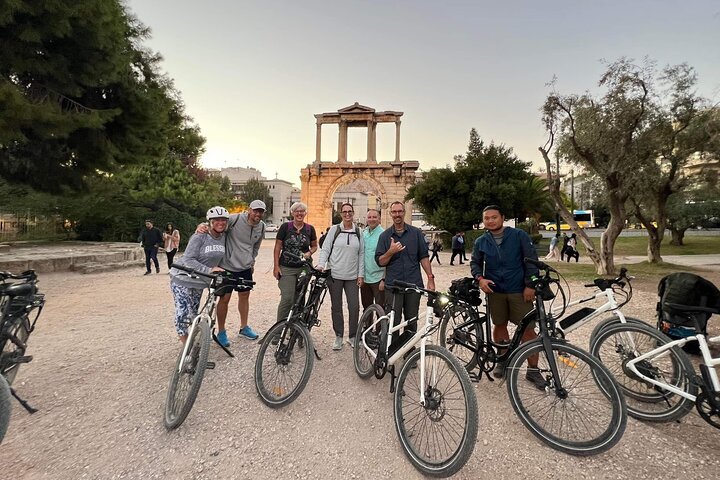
373 272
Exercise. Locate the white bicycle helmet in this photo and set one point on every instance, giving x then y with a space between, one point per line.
217 212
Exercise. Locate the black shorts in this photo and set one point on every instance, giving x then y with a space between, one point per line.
245 275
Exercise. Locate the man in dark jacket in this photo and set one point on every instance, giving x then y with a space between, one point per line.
151 239
498 265
458 246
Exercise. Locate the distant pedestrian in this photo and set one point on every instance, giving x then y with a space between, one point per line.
572 249
171 237
462 244
151 239
435 248
458 244
565 240
554 252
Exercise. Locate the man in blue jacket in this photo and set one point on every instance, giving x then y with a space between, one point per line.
498 265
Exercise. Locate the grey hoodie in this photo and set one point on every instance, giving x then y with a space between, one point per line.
242 243
202 253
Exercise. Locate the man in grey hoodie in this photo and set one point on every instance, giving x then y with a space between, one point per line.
245 233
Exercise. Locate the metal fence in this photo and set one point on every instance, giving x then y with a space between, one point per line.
25 225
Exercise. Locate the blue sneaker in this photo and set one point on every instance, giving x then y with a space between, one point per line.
248 333
223 338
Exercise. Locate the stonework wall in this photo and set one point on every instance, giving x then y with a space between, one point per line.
320 180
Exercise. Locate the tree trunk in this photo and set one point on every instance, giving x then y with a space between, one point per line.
607 245
653 248
677 236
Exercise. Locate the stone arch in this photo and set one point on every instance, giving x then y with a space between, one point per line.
320 180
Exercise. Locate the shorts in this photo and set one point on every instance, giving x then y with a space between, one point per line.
245 275
508 307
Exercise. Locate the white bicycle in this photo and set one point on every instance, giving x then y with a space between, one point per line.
436 413
193 359
656 375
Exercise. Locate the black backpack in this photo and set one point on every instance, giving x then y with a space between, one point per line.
684 288
466 289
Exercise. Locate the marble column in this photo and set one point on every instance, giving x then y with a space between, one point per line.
371 141
397 141
342 142
318 142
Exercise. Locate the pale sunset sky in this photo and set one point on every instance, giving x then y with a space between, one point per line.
253 73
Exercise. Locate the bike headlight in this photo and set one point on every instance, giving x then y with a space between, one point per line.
443 300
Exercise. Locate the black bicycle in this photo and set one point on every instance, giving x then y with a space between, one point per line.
578 408
193 358
20 307
287 353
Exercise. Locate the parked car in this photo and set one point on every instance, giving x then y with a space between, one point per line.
552 226
271 227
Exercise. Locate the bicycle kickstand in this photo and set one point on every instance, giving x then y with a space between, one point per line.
25 404
214 337
316 354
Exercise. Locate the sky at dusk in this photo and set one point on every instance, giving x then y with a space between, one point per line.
253 73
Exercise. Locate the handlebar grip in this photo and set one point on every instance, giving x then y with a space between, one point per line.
401 284
537 263
589 285
190 270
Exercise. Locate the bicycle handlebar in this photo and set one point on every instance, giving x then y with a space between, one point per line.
399 284
26 275
539 264
212 276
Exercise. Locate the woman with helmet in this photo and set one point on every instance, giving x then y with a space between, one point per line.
204 252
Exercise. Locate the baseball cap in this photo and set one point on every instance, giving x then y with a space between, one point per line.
257 204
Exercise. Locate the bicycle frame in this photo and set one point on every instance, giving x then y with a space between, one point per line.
710 362
204 315
420 337
610 305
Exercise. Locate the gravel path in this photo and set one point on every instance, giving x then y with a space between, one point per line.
104 348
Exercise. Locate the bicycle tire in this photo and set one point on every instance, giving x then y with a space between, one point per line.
20 327
5 407
647 402
363 361
449 387
185 383
450 337
606 322
283 357
592 403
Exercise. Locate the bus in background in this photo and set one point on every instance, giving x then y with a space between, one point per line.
584 218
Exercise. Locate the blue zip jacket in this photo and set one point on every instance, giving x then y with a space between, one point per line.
503 264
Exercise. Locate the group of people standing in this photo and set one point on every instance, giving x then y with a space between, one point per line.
152 239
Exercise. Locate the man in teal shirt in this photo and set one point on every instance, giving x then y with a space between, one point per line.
373 290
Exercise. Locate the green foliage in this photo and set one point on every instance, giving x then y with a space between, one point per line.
254 189
453 199
79 96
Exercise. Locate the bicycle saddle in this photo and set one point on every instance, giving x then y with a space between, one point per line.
19 290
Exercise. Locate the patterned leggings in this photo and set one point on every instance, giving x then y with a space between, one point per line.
187 303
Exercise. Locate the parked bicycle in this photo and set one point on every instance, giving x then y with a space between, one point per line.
579 409
20 307
436 413
287 353
656 375
193 359
464 326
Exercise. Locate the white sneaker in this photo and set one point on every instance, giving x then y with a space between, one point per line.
351 342
338 343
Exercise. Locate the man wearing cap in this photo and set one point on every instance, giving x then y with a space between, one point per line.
244 234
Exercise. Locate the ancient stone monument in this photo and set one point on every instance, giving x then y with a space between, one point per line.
390 179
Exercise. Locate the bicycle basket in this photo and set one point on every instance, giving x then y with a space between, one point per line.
466 290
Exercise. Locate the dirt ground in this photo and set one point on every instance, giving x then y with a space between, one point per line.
105 346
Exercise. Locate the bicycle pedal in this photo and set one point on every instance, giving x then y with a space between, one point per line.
24 359
209 365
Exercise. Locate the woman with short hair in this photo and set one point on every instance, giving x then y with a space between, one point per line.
294 239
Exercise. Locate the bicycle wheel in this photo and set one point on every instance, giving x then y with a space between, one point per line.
363 360
282 370
187 376
437 437
19 327
5 406
587 416
462 340
606 322
617 344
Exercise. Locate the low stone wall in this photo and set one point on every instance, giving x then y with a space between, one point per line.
64 256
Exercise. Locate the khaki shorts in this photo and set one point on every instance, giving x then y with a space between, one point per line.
508 307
